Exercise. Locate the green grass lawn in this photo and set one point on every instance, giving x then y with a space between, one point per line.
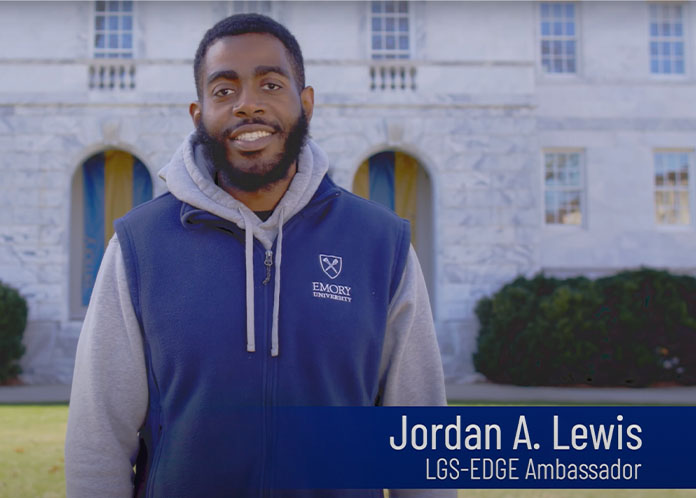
31 450
32 465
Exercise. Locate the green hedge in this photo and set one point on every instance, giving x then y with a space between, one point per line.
631 329
13 320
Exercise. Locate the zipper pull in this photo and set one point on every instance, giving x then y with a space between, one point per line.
268 262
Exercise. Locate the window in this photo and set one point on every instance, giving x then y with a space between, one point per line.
104 188
257 7
666 38
563 188
399 182
113 29
672 187
558 37
390 28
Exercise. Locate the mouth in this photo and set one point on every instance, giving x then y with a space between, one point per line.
249 138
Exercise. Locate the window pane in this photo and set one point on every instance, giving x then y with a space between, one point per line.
126 41
113 23
654 66
683 179
653 29
376 24
683 216
666 29
403 24
545 48
558 65
389 24
113 41
376 42
127 6
127 23
570 28
678 29
113 6
678 48
666 66
376 7
548 178
101 6
403 7
545 11
654 48
570 10
557 10
99 41
666 48
679 66
391 42
558 28
403 43
570 48
557 47
545 28
389 7
99 22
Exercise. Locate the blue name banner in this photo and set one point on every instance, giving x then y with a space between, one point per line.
482 447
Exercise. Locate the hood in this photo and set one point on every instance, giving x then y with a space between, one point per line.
190 178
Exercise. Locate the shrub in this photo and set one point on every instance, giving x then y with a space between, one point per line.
13 320
633 328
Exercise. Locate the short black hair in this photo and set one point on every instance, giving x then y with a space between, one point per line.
241 24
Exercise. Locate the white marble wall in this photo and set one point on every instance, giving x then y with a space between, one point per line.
478 122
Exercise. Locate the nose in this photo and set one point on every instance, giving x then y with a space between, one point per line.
248 104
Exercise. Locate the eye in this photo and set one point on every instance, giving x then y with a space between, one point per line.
271 86
223 92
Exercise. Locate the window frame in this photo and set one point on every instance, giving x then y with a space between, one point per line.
685 39
411 38
582 153
231 10
690 189
578 41
92 48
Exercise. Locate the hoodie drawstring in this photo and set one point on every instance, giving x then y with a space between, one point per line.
249 266
276 291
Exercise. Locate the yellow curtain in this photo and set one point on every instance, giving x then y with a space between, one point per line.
118 188
406 193
361 182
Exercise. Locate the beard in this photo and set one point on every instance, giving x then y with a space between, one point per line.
262 174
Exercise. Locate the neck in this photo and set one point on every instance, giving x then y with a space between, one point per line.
264 199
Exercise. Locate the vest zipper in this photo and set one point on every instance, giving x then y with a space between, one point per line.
268 262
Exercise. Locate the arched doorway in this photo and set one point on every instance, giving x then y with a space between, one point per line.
105 187
396 180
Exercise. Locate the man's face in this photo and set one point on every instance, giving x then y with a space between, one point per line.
251 118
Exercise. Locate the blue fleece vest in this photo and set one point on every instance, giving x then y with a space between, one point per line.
210 427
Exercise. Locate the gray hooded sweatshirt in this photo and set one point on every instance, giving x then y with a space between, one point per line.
109 397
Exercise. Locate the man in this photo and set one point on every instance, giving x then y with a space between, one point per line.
254 283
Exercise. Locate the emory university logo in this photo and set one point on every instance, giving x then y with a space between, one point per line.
331 265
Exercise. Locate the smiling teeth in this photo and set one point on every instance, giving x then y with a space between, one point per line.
254 135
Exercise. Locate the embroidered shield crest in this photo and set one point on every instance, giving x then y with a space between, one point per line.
331 265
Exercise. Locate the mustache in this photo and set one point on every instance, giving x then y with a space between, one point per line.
227 132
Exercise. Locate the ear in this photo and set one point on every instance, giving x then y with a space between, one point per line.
307 99
195 112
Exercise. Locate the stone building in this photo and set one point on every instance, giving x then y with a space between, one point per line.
517 136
